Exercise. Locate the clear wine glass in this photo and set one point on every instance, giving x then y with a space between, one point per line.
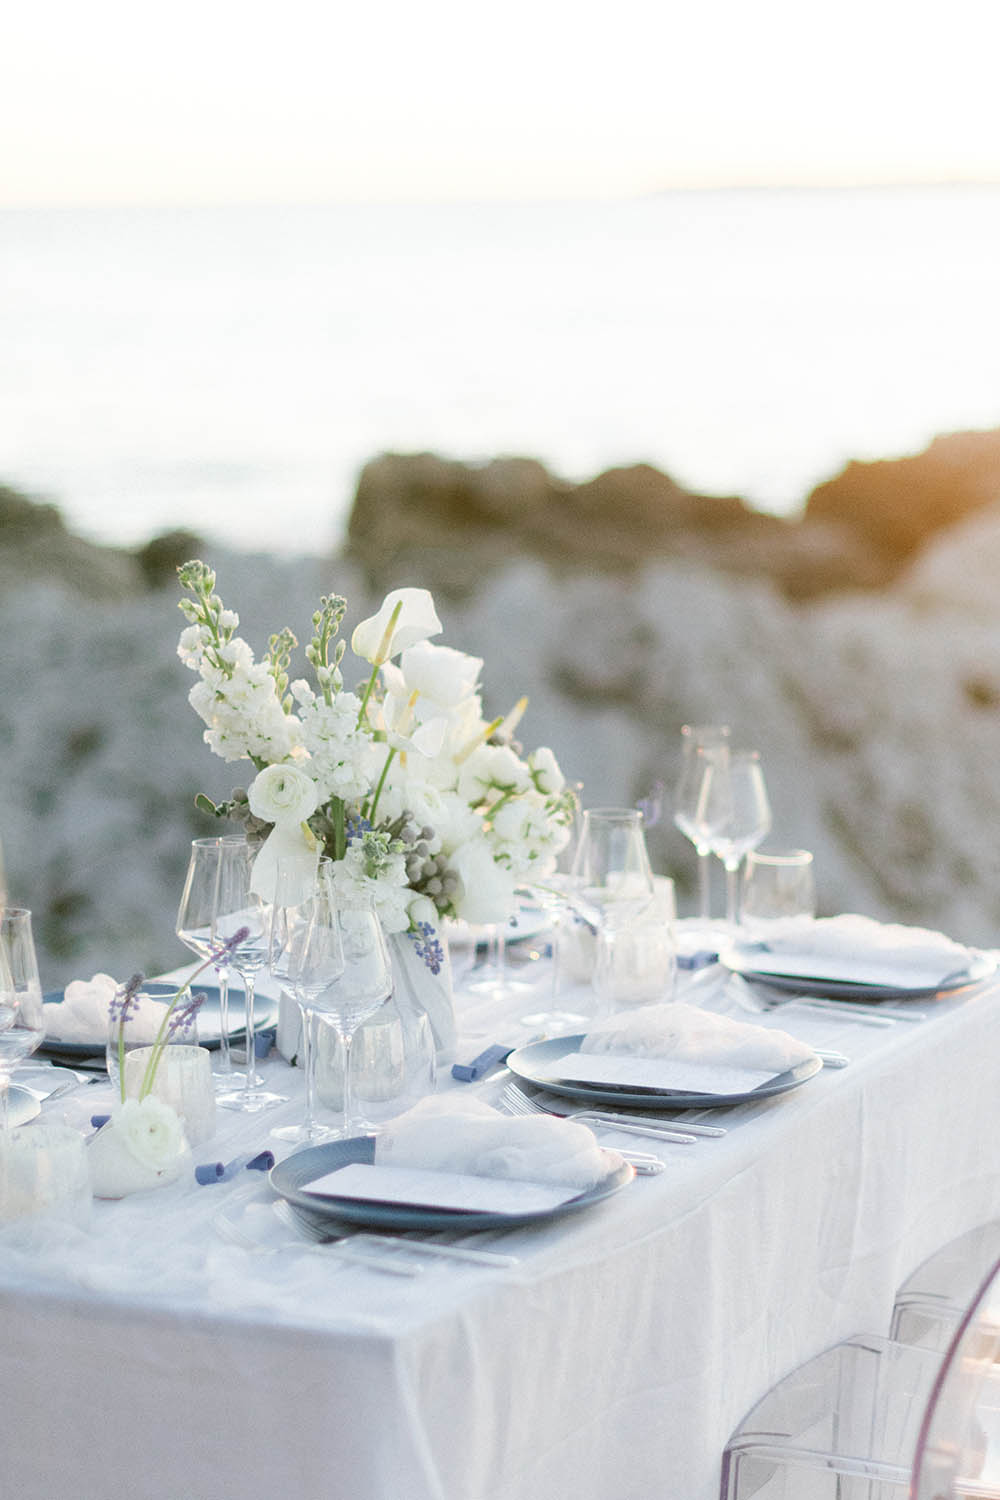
735 800
611 881
298 882
197 928
22 1024
688 807
243 921
351 936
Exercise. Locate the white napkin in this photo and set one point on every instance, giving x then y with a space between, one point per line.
466 1135
684 1033
859 949
82 1015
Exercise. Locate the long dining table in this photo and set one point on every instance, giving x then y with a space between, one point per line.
186 1345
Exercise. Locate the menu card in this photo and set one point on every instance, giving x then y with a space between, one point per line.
420 1188
658 1073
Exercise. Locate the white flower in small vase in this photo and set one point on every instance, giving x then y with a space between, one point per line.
285 796
142 1146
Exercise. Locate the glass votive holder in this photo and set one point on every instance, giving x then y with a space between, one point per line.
778 888
183 1080
635 965
44 1170
142 1028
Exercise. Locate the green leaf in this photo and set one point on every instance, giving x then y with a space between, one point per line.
206 805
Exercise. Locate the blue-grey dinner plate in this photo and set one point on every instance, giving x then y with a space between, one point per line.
265 1014
21 1106
292 1176
750 962
534 1062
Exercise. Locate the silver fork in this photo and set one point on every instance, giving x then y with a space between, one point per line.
385 1251
517 1103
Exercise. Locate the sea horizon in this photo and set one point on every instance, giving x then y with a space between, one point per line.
229 368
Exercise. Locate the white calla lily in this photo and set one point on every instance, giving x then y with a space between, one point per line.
406 617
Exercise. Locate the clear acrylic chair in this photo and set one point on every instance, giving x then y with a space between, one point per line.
872 1418
931 1301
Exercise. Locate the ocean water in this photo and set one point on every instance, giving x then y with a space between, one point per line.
231 369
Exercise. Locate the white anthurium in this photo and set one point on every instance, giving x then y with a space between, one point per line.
381 637
487 889
286 840
404 730
439 673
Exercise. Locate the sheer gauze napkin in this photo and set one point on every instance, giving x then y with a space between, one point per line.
465 1135
684 1033
852 947
82 1015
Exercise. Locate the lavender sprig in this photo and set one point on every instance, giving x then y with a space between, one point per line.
185 1011
124 1004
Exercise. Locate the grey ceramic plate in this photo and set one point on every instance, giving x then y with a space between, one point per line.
21 1106
534 1064
749 964
292 1176
265 1014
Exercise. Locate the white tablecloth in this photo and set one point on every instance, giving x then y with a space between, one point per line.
148 1357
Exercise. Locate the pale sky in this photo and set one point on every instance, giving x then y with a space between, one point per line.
318 100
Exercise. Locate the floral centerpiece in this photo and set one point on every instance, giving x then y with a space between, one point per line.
424 806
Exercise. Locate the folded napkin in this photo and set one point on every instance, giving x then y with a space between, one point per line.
684 1033
859 949
465 1135
82 1015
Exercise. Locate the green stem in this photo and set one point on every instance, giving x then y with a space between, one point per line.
367 694
339 829
381 783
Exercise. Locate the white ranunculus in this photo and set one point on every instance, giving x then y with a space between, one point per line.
416 621
487 893
142 1146
440 673
490 771
283 795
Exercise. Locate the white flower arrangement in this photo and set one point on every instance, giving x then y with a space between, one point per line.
423 805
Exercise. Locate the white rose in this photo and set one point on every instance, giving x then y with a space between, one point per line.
417 619
487 893
283 794
445 676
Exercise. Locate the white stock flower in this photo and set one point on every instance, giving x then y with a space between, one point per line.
416 621
283 795
487 890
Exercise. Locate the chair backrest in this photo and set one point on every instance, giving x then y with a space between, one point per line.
958 1445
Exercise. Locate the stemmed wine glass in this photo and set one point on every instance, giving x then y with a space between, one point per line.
689 810
735 800
243 923
304 959
197 928
345 974
22 1025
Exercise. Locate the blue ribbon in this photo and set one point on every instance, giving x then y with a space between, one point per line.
481 1065
217 1171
